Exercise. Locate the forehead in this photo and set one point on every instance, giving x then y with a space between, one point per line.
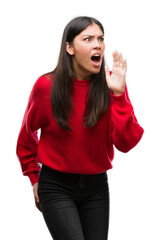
93 29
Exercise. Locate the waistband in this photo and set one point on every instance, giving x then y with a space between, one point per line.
72 176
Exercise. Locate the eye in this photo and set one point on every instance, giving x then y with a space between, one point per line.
87 39
101 39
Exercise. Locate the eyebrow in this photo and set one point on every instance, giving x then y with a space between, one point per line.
90 35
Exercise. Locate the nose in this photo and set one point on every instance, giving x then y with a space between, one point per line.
97 44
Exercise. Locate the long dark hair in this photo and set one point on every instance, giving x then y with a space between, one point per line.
98 96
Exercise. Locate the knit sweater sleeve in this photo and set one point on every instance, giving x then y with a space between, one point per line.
126 132
34 118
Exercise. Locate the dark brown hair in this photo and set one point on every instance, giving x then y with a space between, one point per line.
98 96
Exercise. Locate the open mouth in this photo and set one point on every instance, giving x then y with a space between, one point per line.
96 58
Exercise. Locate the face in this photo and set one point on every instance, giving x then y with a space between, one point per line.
87 51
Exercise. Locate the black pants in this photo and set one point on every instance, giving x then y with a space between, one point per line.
74 206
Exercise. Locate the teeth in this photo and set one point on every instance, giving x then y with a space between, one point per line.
96 55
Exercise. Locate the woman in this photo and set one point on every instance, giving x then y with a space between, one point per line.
83 110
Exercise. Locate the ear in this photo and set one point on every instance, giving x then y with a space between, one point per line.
69 48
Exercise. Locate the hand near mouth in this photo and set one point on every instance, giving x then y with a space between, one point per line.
116 81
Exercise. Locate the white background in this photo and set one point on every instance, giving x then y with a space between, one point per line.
31 32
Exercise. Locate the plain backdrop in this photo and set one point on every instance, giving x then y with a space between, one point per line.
30 39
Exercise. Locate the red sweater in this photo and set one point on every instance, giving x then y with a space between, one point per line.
83 151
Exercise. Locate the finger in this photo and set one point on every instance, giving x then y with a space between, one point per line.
115 59
120 61
38 206
107 72
37 197
107 69
125 65
36 194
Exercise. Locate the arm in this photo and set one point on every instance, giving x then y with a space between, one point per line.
27 143
126 132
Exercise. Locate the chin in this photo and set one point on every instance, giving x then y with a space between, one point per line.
93 70
96 71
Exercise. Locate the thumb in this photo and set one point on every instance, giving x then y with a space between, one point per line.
107 70
35 191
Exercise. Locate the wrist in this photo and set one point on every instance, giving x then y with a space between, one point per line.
117 93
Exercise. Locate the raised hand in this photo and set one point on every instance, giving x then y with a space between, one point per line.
116 81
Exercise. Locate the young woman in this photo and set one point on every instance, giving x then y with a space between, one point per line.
82 109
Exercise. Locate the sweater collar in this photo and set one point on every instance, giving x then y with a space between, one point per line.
81 83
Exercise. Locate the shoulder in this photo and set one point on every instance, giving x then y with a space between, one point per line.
42 83
41 88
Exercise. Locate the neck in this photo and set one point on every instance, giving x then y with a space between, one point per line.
82 78
80 73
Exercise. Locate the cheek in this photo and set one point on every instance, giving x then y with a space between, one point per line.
82 55
103 47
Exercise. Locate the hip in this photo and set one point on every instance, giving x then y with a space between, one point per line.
55 184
